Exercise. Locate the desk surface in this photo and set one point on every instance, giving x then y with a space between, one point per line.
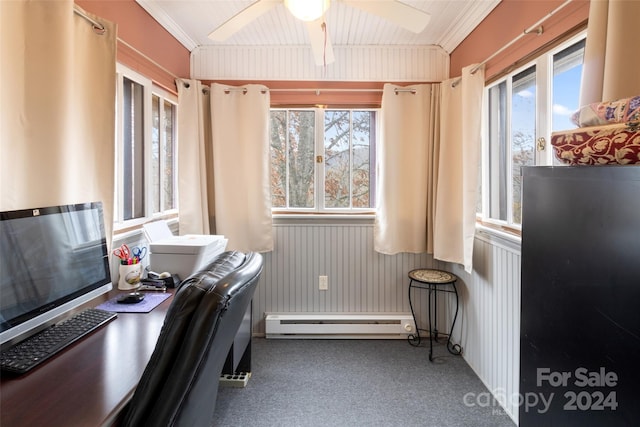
88 383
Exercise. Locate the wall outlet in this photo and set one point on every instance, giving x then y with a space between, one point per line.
323 283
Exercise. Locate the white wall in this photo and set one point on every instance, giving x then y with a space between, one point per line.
360 279
363 63
490 327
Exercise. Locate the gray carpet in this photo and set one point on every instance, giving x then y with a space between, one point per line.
355 383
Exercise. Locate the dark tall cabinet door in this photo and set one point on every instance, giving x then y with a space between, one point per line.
580 307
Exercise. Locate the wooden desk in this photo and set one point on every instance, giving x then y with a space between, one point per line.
90 382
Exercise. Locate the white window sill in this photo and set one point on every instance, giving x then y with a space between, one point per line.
326 218
498 237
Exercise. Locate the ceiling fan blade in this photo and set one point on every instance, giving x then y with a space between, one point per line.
401 14
320 42
242 18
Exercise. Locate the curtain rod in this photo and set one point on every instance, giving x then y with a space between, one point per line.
319 91
535 28
97 26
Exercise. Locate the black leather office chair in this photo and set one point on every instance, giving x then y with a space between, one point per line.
180 383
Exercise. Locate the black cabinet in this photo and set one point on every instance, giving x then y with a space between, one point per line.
580 299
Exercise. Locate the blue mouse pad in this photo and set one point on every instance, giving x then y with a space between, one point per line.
150 301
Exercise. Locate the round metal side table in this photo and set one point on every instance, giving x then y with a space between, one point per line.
434 281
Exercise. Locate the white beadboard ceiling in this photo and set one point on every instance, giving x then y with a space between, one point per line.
362 41
190 21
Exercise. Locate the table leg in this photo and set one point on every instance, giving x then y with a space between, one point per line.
435 312
455 348
414 339
430 325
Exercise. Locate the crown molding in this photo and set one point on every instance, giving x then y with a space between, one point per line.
168 23
461 27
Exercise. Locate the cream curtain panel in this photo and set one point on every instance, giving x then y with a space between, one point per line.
241 166
458 171
57 109
428 162
407 169
224 164
611 60
194 159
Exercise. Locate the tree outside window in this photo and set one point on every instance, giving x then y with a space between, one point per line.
322 159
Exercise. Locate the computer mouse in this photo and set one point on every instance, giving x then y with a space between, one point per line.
131 298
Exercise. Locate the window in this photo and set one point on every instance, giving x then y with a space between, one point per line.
163 163
567 74
323 160
523 108
132 150
145 150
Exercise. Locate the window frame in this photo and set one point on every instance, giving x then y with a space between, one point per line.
163 99
319 167
149 91
543 121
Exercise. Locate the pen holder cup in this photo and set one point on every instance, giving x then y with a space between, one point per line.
129 276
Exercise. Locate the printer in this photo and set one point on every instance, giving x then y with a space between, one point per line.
181 255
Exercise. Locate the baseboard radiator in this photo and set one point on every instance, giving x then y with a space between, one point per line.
339 325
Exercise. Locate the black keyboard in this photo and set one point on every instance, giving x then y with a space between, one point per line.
29 353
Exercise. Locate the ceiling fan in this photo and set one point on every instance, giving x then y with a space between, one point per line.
312 13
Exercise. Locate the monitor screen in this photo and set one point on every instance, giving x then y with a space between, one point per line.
52 259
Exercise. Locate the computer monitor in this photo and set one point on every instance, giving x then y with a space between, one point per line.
52 259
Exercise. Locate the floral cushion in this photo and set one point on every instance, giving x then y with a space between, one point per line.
598 145
604 113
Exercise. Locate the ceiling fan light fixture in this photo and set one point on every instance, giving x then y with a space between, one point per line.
307 10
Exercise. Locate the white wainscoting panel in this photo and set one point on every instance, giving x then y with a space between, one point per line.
360 279
490 327
353 63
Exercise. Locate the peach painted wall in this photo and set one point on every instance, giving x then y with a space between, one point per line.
510 19
138 29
